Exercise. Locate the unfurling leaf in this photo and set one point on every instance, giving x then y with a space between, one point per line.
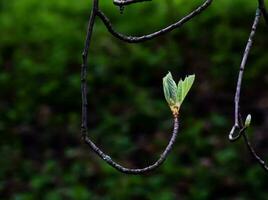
248 121
170 89
184 87
175 94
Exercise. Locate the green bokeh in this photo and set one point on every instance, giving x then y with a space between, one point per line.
41 152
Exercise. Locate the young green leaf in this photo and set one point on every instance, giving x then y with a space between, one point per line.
170 89
176 94
184 86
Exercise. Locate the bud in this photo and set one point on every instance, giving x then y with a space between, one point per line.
248 121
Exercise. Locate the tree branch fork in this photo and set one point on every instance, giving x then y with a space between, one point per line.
238 126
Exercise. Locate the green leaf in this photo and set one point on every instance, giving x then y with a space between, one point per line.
176 94
170 89
184 87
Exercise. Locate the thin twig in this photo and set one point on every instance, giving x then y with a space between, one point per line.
236 126
254 154
133 39
84 127
120 168
239 126
127 2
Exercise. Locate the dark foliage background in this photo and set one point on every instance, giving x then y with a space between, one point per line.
41 152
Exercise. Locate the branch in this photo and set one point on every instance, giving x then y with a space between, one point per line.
84 126
127 2
263 10
239 126
134 39
254 154
120 168
236 126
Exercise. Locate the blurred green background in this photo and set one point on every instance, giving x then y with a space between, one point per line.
41 152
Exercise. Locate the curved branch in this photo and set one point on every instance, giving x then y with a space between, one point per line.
127 2
132 39
84 125
84 128
254 154
239 126
263 10
120 168
236 126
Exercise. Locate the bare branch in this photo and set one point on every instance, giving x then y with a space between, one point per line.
239 128
254 154
133 39
120 168
84 127
236 126
127 2
84 67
